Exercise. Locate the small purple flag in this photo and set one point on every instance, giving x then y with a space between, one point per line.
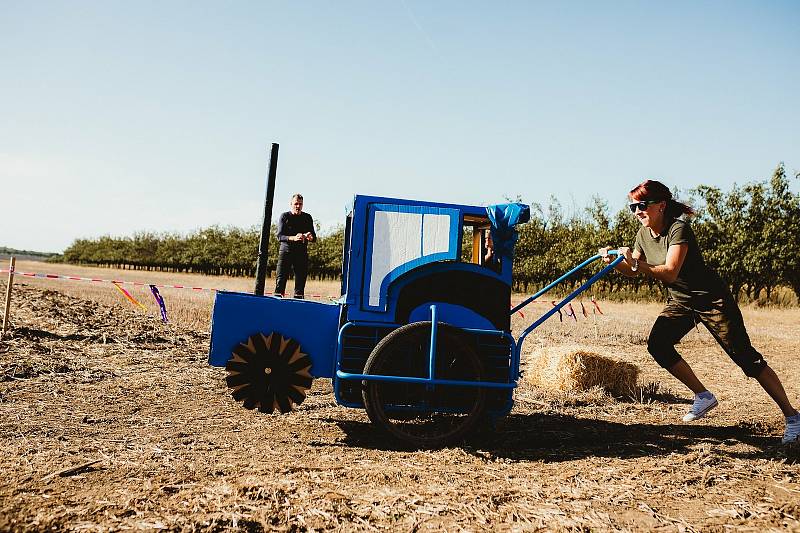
160 302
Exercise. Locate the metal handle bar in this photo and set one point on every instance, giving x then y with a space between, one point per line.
569 298
565 276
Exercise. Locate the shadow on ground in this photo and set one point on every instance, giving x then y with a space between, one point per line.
555 438
37 334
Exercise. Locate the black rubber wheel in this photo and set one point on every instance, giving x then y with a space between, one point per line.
424 416
269 372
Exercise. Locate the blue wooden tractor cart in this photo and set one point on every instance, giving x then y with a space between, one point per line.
421 336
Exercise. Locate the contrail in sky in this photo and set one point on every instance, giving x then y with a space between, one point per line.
431 45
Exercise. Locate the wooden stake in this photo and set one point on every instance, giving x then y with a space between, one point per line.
8 295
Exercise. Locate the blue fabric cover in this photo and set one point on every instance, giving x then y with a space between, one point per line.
503 218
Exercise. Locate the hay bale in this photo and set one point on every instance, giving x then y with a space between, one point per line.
570 368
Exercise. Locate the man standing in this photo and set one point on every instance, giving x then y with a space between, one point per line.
295 231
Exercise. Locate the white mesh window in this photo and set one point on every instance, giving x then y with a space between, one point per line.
435 234
399 239
396 240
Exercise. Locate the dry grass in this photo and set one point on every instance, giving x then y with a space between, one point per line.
110 420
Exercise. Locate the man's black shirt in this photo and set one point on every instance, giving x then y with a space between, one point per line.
290 225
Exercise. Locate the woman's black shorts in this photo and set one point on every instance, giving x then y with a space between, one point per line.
721 317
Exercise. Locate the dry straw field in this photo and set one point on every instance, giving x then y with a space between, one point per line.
111 420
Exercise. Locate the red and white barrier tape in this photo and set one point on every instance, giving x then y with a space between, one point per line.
99 280
123 282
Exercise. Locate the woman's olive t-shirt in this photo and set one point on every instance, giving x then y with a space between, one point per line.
696 285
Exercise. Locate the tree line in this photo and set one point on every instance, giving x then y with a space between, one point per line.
748 234
217 251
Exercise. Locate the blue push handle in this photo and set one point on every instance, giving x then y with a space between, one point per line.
565 276
569 298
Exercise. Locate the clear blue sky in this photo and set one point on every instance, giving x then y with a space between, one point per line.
117 117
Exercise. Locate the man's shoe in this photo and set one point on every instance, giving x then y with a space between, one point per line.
792 432
701 406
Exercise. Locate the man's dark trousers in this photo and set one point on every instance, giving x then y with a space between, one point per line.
288 260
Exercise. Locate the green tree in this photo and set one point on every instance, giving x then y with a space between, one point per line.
782 230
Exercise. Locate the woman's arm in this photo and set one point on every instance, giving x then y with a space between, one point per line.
668 272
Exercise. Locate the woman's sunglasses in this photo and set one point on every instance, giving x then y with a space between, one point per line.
641 206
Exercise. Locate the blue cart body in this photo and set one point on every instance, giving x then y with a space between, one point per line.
402 263
400 257
238 316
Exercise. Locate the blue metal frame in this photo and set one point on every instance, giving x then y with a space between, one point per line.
431 380
432 354
516 346
338 357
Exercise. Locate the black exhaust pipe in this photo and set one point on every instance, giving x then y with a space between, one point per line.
266 225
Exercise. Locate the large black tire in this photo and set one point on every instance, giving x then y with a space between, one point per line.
424 416
269 372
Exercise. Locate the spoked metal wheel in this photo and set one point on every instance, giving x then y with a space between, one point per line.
425 416
269 372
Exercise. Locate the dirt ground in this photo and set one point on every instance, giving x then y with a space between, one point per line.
110 420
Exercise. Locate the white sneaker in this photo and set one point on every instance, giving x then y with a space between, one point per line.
700 408
792 432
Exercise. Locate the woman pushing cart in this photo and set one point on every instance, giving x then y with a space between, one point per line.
666 249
